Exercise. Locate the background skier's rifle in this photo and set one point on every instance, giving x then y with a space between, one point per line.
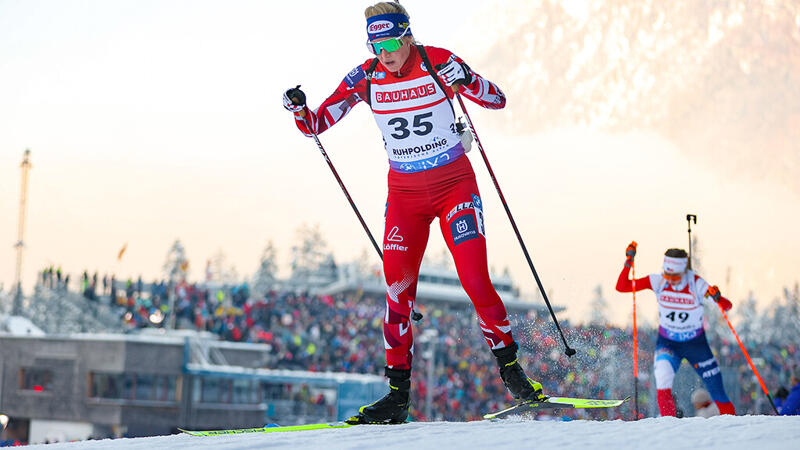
689 219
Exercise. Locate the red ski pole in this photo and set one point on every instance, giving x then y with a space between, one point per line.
635 349
750 361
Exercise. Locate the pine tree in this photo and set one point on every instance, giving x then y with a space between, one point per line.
220 271
747 325
264 279
176 270
786 322
310 257
599 308
176 267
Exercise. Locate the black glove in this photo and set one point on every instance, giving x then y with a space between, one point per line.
294 99
630 252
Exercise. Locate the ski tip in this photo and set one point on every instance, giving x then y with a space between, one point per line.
189 432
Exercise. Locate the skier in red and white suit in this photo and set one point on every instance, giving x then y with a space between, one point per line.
680 293
429 177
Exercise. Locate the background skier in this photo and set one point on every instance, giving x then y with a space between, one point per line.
680 294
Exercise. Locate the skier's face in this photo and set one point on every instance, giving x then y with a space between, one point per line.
393 61
673 279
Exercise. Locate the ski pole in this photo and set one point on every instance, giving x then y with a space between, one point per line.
750 361
336 175
569 351
417 316
635 349
689 219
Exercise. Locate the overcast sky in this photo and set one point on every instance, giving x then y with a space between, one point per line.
155 120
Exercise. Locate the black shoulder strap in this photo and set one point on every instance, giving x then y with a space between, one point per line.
371 69
432 72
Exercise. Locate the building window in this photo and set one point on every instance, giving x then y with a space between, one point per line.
216 390
245 391
132 386
145 387
211 389
165 388
33 379
105 385
274 391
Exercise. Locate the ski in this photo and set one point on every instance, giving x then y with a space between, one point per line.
267 429
550 403
554 403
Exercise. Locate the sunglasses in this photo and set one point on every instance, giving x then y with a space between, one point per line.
672 277
389 45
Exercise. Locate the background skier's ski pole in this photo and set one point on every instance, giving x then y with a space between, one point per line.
569 351
635 349
750 361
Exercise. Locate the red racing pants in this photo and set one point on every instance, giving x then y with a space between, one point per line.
450 193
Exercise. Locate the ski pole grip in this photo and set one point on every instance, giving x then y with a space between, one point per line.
298 98
297 101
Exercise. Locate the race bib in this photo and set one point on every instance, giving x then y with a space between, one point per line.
417 124
680 315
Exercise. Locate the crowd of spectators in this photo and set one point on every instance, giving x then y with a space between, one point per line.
343 333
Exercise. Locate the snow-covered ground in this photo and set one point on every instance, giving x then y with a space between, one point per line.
744 432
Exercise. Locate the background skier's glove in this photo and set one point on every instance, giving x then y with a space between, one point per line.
715 294
630 252
454 72
294 99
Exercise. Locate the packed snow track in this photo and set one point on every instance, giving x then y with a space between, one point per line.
728 432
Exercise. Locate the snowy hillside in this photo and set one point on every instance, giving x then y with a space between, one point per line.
744 432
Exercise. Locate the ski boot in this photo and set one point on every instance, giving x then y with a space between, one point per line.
521 387
393 407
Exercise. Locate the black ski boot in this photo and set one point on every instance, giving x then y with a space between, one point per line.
520 386
393 407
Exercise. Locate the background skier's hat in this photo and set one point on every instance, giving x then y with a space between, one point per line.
675 265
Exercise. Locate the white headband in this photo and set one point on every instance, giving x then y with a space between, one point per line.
675 265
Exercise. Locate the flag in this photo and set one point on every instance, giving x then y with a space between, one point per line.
122 252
